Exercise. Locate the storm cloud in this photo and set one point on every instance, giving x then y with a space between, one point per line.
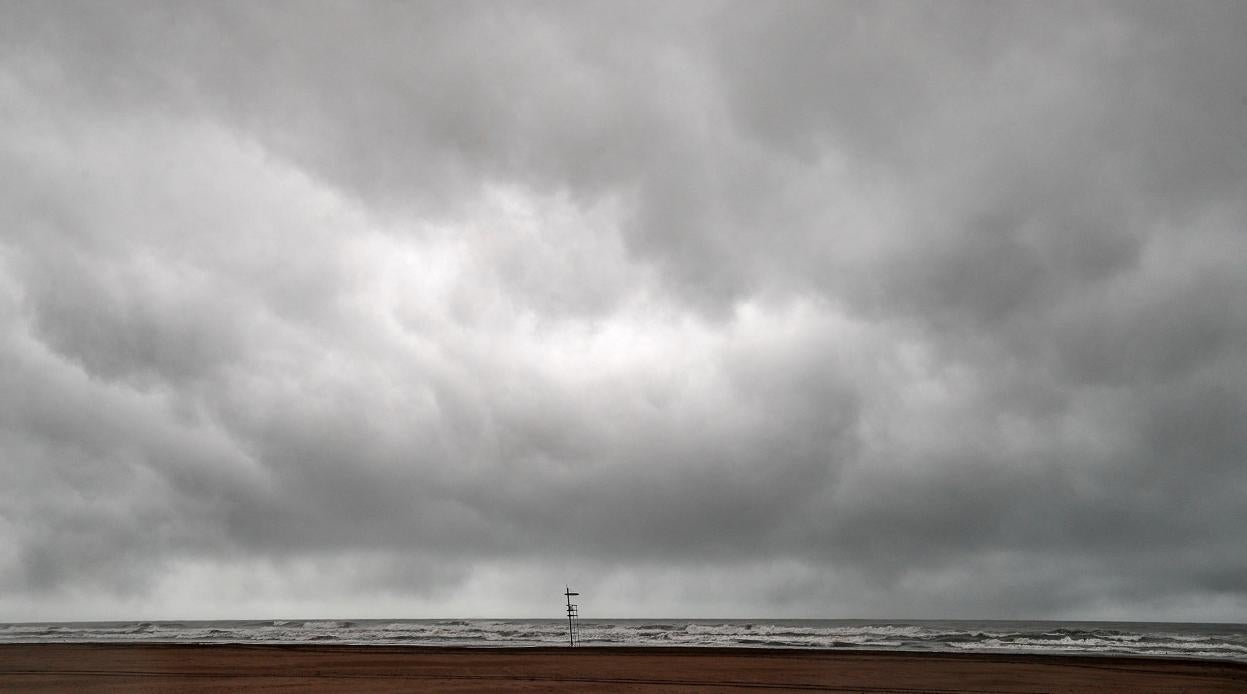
710 309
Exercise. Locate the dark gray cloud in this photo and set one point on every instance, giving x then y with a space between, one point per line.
913 310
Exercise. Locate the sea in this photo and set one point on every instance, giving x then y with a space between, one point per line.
1203 641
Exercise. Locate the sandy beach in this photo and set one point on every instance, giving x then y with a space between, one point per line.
303 668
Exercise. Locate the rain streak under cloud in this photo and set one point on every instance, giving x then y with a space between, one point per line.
710 309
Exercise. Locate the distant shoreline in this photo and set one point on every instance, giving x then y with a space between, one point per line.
159 667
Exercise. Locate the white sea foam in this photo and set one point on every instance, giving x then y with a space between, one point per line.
1188 640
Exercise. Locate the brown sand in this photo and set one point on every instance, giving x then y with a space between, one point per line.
143 668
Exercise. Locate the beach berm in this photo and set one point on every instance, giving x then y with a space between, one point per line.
144 668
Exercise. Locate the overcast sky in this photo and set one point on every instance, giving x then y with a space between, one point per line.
877 310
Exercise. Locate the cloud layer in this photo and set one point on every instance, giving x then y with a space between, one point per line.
803 309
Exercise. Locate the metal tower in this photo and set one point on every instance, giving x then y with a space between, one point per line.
573 614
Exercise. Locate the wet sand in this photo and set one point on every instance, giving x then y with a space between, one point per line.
142 668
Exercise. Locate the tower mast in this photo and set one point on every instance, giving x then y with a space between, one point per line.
572 614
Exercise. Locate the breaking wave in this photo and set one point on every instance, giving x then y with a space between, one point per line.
1218 641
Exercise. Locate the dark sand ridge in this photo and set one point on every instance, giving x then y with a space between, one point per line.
142 668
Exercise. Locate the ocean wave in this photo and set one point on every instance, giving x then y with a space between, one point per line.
1206 641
